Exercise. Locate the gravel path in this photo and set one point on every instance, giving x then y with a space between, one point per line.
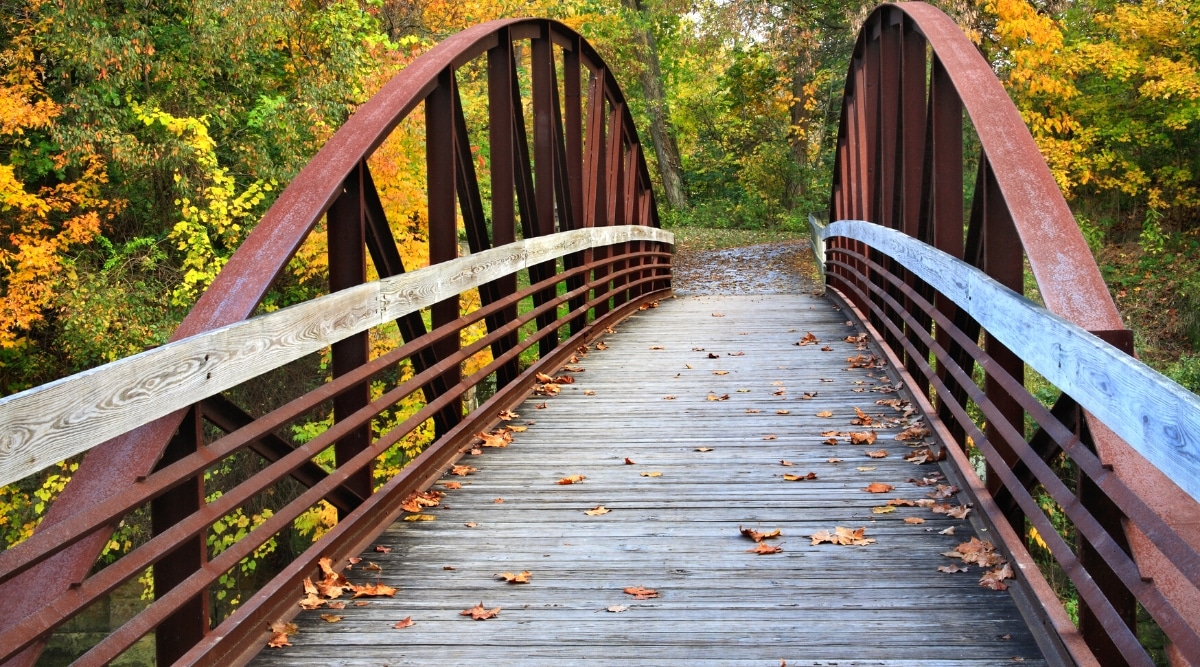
768 268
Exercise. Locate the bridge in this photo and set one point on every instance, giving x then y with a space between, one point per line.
618 472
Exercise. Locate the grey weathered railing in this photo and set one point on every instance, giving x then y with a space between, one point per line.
572 183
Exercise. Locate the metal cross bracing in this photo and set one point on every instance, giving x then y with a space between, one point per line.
925 274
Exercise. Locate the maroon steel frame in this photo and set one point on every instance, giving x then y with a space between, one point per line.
572 182
913 79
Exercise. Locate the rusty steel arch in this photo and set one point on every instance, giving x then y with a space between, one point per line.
582 167
913 84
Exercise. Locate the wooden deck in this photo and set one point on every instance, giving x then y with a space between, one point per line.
678 533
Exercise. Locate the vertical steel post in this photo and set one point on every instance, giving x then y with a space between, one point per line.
443 222
503 157
189 623
348 267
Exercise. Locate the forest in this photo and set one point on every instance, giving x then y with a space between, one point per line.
140 142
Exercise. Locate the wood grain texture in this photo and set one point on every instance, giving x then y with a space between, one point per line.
1157 418
678 533
57 420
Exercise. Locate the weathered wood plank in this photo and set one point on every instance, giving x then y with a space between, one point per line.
679 533
54 421
1157 417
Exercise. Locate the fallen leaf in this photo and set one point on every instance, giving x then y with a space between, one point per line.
808 339
462 470
830 441
959 512
943 491
912 433
752 411
641 593
617 608
718 314
500 438
518 429
770 436
824 414
800 478
759 536
311 601
547 389
808 395
704 449
507 415
668 397
449 567
902 502
863 418
925 455
372 567
914 520
994 579
712 355
540 406
833 460
878 487
452 485
420 517
866 468
479 613
374 590
588 392
509 577
886 509
573 479
785 463
827 349
628 462
720 372
280 632
763 549
331 618
406 623
952 568
379 548
948 531
843 537
657 347
651 474
735 354
597 510
498 501
714 397
783 412
862 437
877 454
470 524
573 369
601 346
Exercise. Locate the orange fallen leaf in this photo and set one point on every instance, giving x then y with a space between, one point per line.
628 462
379 548
843 537
588 392
952 568
714 397
786 463
406 623
651 474
769 436
752 411
657 347
783 412
479 612
704 449
878 487
866 468
641 592
509 577
498 501
824 414
718 314
372 567
800 478
601 345
886 509
877 454
808 339
420 517
573 479
668 397
862 438
540 406
452 485
994 579
763 549
462 470
913 433
833 460
330 618
597 510
914 520
470 524
720 372
280 632
506 415
374 590
617 608
311 601
758 536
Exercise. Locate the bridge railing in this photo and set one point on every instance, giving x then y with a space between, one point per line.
153 428
916 85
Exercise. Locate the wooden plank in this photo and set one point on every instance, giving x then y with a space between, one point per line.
880 604
1157 418
60 419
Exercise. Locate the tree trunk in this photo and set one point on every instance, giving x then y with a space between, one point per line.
665 147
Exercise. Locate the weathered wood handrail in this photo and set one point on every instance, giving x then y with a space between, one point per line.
1157 417
46 424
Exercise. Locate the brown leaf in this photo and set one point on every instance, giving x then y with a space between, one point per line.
452 485
331 618
720 372
994 579
830 441
877 454
866 468
799 478
499 438
597 510
498 501
943 491
479 613
379 548
878 487
783 412
588 392
902 502
886 509
759 536
372 567
507 415
311 601
752 411
641 592
522 578
769 436
374 590
406 623
704 449
952 568
764 549
418 501
959 512
718 314
712 355
808 339
827 349
420 517
914 520
540 406
862 437
825 414
628 462
573 479
548 389
786 463
278 640
808 395
863 418
543 378
601 345
617 608
573 369
924 455
668 397
470 524
714 397
462 470
843 537
833 460
651 474
657 347
913 433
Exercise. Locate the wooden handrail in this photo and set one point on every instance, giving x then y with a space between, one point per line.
54 421
1157 417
